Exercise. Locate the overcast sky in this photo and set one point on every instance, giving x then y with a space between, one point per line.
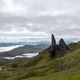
40 18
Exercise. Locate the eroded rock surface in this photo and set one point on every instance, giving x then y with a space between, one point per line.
62 45
54 48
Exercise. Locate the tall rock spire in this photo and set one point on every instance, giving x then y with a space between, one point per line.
53 40
53 46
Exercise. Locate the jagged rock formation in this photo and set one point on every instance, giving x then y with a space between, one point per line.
54 48
63 46
53 41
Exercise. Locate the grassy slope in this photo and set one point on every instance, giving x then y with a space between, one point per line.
44 68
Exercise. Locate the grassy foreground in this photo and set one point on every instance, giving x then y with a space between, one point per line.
44 68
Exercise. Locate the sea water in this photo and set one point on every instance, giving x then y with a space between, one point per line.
26 55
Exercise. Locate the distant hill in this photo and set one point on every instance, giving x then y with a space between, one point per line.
25 49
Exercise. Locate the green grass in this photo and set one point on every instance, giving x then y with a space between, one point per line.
42 67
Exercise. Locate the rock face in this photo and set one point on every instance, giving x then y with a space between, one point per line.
53 41
54 48
63 46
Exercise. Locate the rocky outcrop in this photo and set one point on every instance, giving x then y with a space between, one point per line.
63 46
53 41
54 48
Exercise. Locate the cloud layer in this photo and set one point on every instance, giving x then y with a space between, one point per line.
40 18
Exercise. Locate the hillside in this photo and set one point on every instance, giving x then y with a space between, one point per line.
42 67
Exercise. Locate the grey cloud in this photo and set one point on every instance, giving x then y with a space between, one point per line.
46 16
